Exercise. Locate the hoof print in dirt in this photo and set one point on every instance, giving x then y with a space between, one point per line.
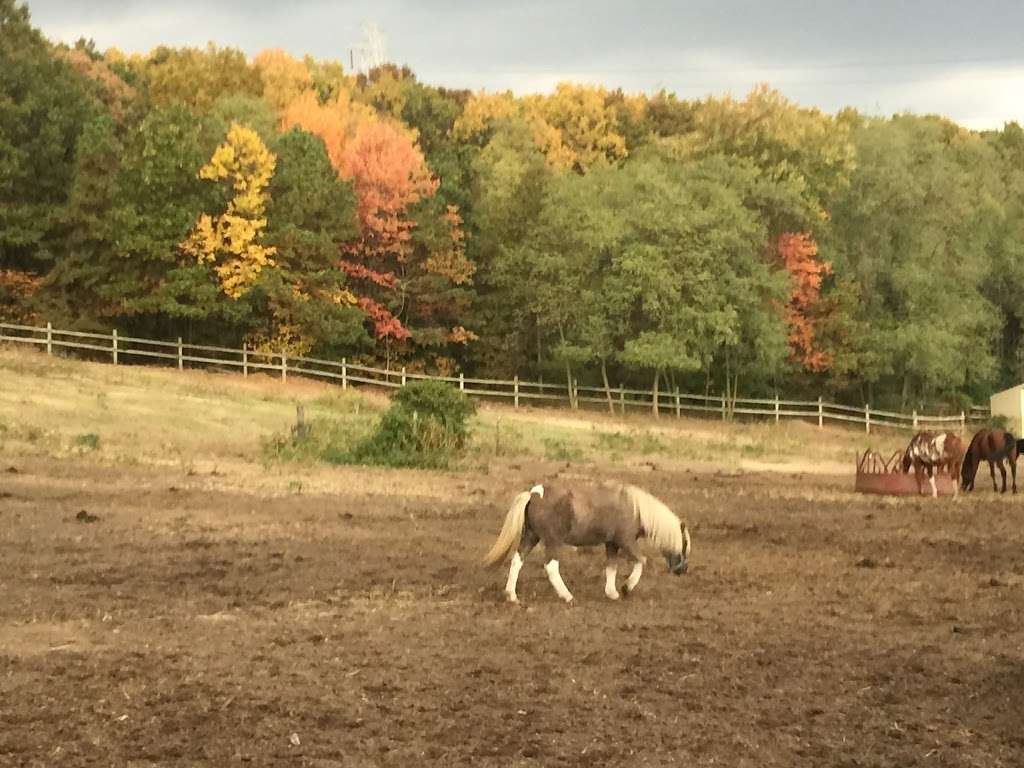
85 517
866 562
12 470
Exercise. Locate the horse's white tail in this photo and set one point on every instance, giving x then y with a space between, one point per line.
511 531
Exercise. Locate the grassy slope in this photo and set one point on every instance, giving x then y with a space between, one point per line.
56 407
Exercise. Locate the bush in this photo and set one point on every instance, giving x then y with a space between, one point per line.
426 426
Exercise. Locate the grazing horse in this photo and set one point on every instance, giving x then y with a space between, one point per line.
993 446
561 512
931 453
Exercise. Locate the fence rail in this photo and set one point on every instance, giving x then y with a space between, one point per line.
516 390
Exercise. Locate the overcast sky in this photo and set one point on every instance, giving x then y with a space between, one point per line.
963 60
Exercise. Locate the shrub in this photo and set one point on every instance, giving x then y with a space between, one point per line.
426 426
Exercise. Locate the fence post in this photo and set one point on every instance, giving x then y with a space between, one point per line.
284 365
622 400
963 423
113 338
344 373
678 410
403 375
49 338
515 390
462 382
776 407
867 418
723 406
245 359
181 357
821 414
574 396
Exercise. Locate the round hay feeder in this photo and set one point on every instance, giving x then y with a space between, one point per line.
886 478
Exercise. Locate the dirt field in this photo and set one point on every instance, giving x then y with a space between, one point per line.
196 621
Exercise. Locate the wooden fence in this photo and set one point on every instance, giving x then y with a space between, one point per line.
517 391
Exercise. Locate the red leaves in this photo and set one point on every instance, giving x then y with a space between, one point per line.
799 253
385 324
358 271
389 174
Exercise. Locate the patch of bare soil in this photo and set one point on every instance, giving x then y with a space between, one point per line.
203 620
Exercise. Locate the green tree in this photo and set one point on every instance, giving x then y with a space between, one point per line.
43 106
311 212
914 230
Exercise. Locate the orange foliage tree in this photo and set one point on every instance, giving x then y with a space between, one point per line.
799 255
390 176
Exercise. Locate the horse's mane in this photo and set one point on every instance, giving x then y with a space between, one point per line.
661 526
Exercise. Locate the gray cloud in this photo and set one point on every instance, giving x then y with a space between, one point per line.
957 59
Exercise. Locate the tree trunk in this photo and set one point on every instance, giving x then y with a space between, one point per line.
568 372
654 405
607 386
905 396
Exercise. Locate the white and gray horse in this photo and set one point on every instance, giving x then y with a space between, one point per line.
561 512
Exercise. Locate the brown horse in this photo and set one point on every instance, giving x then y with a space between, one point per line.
930 453
561 512
993 446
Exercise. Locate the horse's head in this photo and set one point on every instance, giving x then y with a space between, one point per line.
679 562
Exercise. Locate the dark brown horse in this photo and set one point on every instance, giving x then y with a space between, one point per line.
993 446
930 453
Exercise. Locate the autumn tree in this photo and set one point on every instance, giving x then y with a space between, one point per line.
232 242
799 255
196 77
284 78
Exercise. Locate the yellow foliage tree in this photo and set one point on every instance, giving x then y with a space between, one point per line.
230 242
585 122
284 78
575 127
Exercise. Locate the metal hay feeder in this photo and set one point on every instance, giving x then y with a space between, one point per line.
886 478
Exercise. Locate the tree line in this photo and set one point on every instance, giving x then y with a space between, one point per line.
720 245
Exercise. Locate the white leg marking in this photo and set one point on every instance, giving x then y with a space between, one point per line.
935 491
538 489
513 578
556 581
634 575
610 572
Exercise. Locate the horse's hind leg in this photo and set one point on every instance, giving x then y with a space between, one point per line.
1002 473
992 471
931 482
1013 471
551 568
611 570
526 543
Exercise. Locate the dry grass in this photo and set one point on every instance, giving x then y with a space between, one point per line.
51 406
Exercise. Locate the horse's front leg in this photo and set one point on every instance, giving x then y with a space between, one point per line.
1002 473
551 568
638 568
931 481
1013 471
611 570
